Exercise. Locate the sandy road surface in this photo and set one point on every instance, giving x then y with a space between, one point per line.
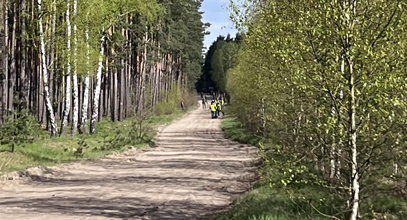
193 173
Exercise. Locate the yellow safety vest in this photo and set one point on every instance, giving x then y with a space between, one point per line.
213 107
219 106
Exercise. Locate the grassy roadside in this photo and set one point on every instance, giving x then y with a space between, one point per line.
272 199
111 137
265 202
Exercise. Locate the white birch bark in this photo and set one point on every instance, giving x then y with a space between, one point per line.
68 73
352 114
332 154
96 92
354 150
75 92
86 82
48 103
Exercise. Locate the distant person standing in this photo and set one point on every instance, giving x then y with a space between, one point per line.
204 103
213 109
218 108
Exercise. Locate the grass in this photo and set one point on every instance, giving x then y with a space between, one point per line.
47 151
270 200
266 203
270 203
163 119
234 130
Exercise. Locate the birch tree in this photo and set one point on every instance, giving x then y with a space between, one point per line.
68 88
75 91
96 92
44 67
145 38
333 77
86 84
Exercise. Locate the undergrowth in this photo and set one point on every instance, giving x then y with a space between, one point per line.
111 137
286 190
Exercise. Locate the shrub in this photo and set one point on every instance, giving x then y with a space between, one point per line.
139 132
20 128
171 104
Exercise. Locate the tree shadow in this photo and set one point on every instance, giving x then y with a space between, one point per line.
191 175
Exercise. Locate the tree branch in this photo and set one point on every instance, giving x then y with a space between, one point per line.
385 27
325 215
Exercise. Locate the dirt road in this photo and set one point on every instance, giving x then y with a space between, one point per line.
193 173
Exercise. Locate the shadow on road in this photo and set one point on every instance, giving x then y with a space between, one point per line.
193 173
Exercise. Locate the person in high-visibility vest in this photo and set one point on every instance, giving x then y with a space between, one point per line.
218 108
217 103
213 109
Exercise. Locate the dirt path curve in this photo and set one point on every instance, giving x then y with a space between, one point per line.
193 173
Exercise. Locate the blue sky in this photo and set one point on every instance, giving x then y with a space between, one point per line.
217 14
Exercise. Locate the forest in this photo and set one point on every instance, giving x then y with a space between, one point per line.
72 63
322 88
318 86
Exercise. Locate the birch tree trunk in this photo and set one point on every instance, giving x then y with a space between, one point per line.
350 10
86 83
353 145
75 91
96 93
48 102
67 97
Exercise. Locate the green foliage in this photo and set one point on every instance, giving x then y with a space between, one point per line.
223 59
283 192
292 85
265 203
183 34
138 132
221 56
111 137
94 17
141 132
235 130
288 190
20 128
80 150
171 104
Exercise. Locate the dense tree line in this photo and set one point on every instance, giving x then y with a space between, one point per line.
220 57
76 61
326 82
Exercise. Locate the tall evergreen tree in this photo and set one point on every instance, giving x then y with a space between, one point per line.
124 57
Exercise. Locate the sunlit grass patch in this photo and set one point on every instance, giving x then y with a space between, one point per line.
110 137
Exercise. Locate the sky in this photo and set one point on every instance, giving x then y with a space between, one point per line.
216 13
